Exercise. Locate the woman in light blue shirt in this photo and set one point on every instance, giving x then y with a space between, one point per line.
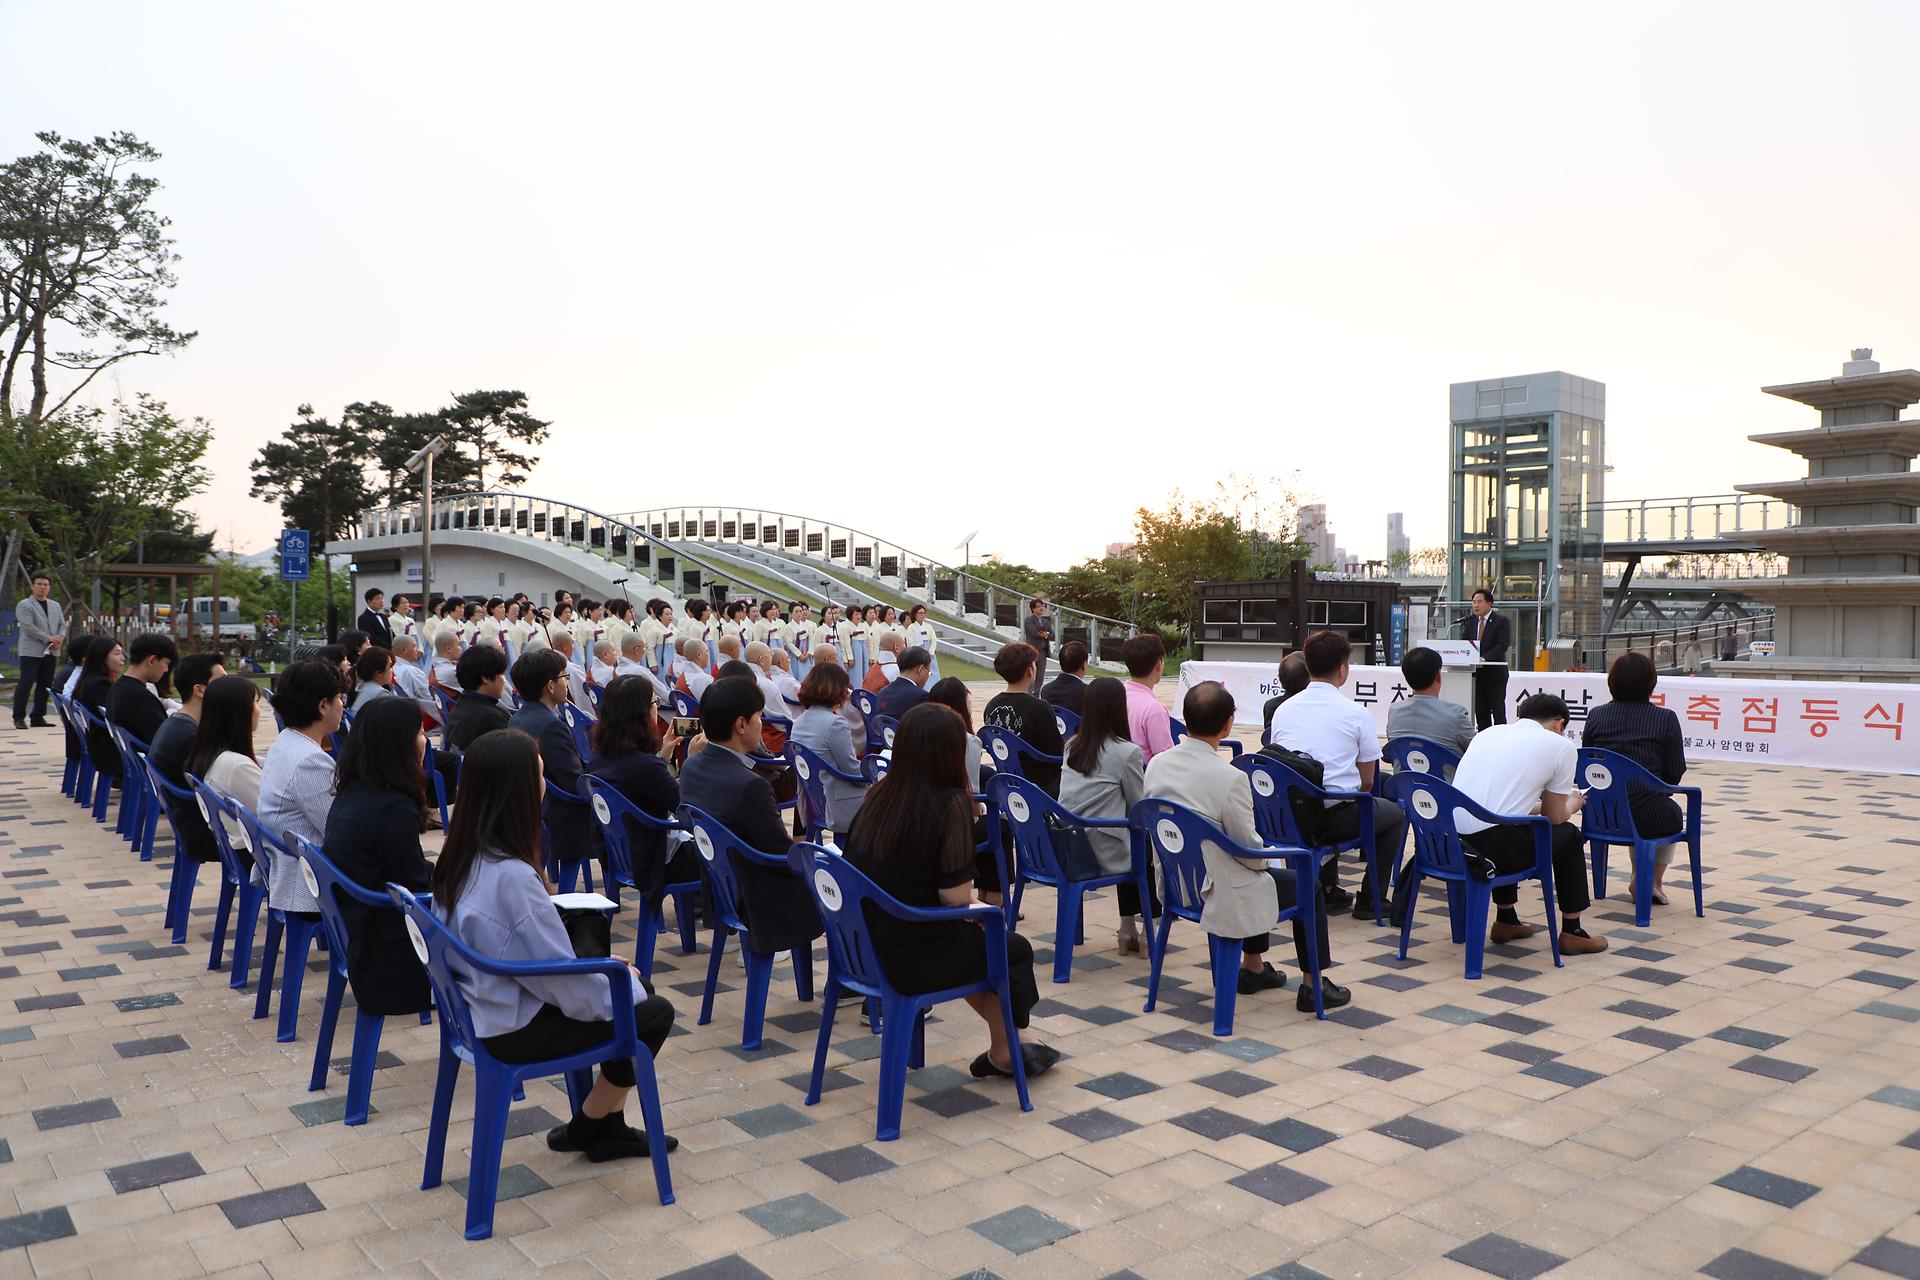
490 889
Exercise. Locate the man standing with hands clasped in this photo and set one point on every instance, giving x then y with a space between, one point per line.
43 629
1493 633
1037 630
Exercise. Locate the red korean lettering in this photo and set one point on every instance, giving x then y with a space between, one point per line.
1760 715
1894 720
1819 713
1704 708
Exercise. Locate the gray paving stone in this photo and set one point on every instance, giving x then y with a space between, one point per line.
1024 1229
794 1215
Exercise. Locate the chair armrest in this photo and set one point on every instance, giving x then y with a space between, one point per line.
1100 822
985 913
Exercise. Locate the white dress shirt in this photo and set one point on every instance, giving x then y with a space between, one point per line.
1326 724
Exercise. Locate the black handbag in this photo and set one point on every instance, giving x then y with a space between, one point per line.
1074 849
589 930
1308 813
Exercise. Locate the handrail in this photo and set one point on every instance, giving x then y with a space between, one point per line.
1688 519
812 539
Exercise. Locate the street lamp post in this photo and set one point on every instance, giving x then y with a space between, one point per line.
423 463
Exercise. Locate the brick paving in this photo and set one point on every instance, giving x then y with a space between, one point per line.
1737 1097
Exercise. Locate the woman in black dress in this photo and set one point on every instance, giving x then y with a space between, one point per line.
630 755
914 838
1630 725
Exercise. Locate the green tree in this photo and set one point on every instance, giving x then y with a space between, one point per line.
1102 585
1014 577
492 425
318 477
85 265
1232 535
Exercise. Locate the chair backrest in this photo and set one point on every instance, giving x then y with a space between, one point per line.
325 881
1429 802
267 845
582 734
445 697
717 847
1011 753
218 810
90 724
613 811
443 787
1414 754
842 891
1028 808
131 750
169 796
811 771
1274 788
873 767
1176 727
444 956
864 702
1176 835
1066 721
594 694
685 705
1609 808
881 729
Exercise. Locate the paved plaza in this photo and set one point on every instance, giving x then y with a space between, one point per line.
1737 1096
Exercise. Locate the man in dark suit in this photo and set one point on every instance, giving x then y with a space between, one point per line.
132 704
1069 688
908 689
482 672
719 780
541 678
1493 632
373 619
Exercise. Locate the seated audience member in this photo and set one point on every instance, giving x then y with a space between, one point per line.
222 753
482 673
173 744
576 681
820 728
952 692
907 689
1068 690
606 654
731 647
296 782
1426 714
375 673
699 671
914 839
1017 710
773 701
99 672
65 680
336 657
1104 778
489 887
719 780
829 655
1650 737
1241 898
446 658
541 679
1522 768
373 837
885 667
782 676
353 644
631 755
736 670
633 655
133 703
1293 678
1322 722
1148 724
409 680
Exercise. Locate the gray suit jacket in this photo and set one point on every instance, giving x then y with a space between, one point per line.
1435 719
37 629
1239 900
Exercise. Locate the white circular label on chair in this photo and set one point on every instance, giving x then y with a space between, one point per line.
1425 805
827 888
204 815
419 943
1018 807
1263 783
999 749
888 735
1599 776
306 874
1418 762
800 767
1168 834
602 811
1060 723
704 842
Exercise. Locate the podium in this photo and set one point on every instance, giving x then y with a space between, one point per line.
1460 668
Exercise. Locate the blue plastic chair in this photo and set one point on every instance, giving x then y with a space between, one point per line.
133 788
1607 820
684 704
298 935
813 770
1066 721
866 704
148 801
566 872
70 770
842 893
1178 729
1011 753
1274 786
236 888
1438 855
880 731
106 773
84 773
1035 816
186 872
1176 834
326 882
444 786
873 767
580 727
495 1081
614 812
718 847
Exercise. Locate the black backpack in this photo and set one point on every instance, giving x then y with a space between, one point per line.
1308 813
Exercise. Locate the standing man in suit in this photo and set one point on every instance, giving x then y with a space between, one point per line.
1037 630
1493 632
541 679
43 630
373 619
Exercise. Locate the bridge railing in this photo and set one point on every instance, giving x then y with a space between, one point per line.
1678 648
1714 567
1701 519
941 587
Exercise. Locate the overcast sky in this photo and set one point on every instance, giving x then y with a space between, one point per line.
925 268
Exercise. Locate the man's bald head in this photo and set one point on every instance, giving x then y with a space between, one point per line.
632 646
759 655
406 647
605 650
826 656
893 642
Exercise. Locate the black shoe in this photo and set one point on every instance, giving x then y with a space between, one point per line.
19 724
1337 898
1265 978
1037 1058
1332 996
39 724
608 1138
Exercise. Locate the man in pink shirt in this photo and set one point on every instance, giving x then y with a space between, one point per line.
1147 721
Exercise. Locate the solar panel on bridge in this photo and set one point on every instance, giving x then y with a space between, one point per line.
839 551
889 566
943 588
673 529
708 529
769 533
793 538
863 557
814 542
749 532
917 576
727 530
539 521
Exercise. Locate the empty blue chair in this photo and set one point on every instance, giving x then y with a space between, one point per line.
1274 788
718 847
842 892
813 770
1607 820
1438 855
1011 753
298 935
236 887
1066 721
186 871
614 812
1178 729
566 871
1038 820
495 1081
325 880
1176 835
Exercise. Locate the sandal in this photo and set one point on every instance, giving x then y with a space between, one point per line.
1036 1057
1128 942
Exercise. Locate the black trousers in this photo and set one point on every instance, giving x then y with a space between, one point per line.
1511 849
552 1034
36 677
1389 837
1489 696
1283 886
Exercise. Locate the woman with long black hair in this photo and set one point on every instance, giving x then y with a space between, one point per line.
373 837
98 670
1104 778
914 838
222 752
489 888
630 755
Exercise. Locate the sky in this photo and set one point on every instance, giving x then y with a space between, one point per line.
925 268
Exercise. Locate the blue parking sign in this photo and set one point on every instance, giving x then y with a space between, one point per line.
295 562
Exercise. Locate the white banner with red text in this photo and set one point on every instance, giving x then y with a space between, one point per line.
1822 724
